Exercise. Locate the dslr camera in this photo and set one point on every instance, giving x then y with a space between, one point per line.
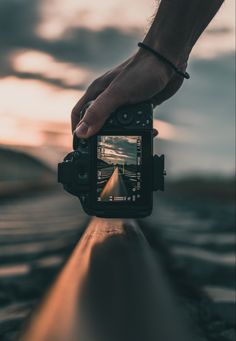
114 172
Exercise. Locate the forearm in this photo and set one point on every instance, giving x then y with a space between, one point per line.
178 25
176 28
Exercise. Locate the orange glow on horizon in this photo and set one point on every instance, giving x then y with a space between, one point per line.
33 61
165 130
39 109
36 100
30 109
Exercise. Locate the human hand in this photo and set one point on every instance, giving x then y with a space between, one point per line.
141 78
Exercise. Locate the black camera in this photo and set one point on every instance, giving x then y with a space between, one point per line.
114 172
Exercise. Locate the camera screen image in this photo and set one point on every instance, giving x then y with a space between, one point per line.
119 162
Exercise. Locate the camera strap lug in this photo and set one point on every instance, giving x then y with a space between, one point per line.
65 172
73 173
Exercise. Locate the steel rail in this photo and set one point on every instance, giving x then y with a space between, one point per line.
112 288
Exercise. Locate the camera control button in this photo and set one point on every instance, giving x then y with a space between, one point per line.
77 155
112 121
83 143
124 117
140 112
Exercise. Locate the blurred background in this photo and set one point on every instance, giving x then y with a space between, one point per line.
50 51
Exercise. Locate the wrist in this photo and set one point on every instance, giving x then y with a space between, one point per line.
170 33
176 54
165 60
155 65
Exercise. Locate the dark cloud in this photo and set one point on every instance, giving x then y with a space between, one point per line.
119 149
97 50
209 94
53 81
18 19
218 30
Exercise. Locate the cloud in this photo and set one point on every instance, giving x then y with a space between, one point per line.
117 149
53 81
17 21
41 66
97 50
219 30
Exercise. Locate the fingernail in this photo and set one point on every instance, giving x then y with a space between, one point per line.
82 129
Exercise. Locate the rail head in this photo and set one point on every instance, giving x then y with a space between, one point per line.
111 289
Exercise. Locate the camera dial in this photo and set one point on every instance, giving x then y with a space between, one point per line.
125 117
114 172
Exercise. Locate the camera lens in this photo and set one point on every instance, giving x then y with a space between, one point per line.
125 117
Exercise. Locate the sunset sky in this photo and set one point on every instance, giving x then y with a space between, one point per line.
119 149
51 50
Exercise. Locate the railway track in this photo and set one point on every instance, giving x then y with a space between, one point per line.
127 270
37 234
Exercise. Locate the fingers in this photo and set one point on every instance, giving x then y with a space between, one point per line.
94 90
75 114
86 128
96 115
122 85
170 89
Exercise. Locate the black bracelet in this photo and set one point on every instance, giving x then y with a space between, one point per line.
165 60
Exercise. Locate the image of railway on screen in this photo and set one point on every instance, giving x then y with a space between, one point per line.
119 161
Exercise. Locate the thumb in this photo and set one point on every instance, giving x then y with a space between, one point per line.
96 115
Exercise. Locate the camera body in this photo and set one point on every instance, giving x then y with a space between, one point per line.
114 172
